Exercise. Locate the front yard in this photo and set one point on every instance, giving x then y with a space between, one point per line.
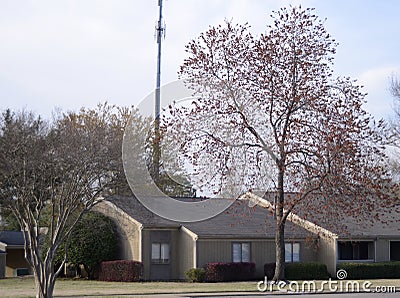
24 287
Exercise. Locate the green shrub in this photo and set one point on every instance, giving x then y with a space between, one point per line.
306 271
371 270
299 271
196 274
93 240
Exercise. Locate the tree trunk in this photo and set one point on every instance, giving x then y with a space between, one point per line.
44 274
280 230
44 285
280 252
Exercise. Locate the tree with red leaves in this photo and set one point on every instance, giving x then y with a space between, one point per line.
271 116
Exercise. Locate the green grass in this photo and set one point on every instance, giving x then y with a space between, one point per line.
24 287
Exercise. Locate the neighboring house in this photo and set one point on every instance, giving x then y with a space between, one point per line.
377 242
350 240
12 257
240 234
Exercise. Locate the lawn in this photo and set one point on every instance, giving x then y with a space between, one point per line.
24 287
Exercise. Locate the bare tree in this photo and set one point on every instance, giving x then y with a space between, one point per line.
395 87
392 132
51 173
395 91
270 110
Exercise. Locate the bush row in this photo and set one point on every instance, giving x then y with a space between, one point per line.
126 270
371 270
121 270
299 271
216 272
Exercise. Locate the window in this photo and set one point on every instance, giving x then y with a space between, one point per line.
395 250
356 250
241 252
292 252
160 252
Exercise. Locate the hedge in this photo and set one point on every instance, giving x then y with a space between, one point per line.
216 272
306 271
371 270
121 270
299 271
196 274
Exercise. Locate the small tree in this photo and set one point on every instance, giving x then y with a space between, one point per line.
52 173
270 116
93 240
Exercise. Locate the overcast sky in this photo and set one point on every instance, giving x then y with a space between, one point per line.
73 53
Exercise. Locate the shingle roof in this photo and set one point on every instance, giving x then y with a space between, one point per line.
12 237
243 221
368 228
349 226
239 220
132 207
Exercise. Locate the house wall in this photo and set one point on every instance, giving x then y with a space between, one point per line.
211 250
15 259
326 254
382 247
150 235
175 254
2 265
129 232
262 251
187 253
146 253
308 252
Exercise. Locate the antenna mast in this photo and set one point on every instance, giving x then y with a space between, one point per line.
160 32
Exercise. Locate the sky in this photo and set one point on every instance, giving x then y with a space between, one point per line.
72 53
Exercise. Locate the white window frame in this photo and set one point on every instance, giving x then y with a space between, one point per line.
293 257
242 252
160 252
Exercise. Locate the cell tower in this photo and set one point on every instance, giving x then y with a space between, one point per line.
160 33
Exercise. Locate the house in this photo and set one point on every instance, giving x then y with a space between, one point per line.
12 257
240 234
168 249
350 240
374 242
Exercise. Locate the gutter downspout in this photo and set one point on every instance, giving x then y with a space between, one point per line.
195 237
